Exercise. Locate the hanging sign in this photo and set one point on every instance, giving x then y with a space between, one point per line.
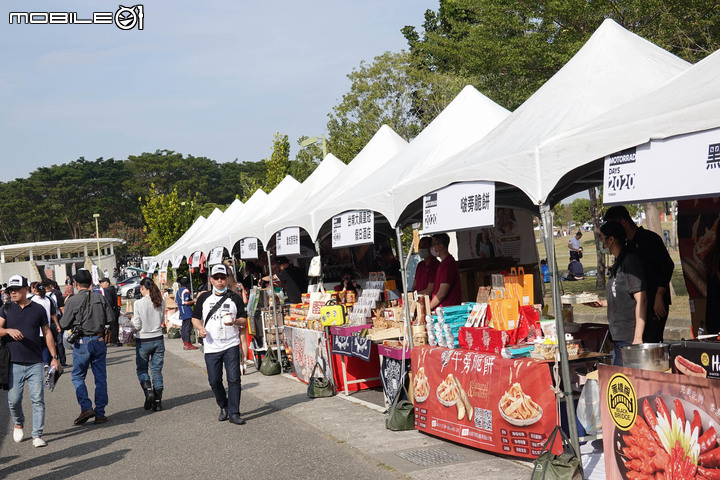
215 256
676 167
287 241
249 248
356 227
195 259
178 260
459 206
164 266
152 268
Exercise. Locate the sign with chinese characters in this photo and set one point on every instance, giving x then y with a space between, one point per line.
356 227
178 260
195 259
164 265
287 241
483 400
684 166
153 267
249 248
458 207
215 256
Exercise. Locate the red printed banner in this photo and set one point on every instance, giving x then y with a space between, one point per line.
483 400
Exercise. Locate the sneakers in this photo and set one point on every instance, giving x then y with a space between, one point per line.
18 435
39 442
189 346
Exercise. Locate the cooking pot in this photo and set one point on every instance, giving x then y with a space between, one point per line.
647 356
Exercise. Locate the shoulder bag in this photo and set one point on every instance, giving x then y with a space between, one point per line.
565 466
319 387
401 413
270 365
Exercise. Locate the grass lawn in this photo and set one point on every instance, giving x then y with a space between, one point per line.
679 309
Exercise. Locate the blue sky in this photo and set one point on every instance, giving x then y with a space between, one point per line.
216 78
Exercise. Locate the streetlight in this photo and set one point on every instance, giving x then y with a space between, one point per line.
97 237
311 140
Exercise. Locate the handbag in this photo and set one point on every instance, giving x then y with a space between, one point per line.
270 364
401 413
332 314
314 270
319 387
565 466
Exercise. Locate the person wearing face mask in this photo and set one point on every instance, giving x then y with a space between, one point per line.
347 281
626 295
425 273
220 318
447 290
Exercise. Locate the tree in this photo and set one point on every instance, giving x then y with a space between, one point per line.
510 48
278 166
595 211
390 91
167 217
562 215
306 160
136 244
580 208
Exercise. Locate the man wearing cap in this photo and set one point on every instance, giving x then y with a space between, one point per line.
90 312
112 298
293 280
220 318
183 300
21 324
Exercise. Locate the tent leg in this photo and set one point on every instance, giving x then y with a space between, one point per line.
408 328
274 309
546 216
191 286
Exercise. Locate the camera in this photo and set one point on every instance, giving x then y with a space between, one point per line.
75 334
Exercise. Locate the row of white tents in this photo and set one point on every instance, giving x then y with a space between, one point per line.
619 91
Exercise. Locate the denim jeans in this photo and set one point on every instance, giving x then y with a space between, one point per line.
617 361
91 353
34 376
214 363
185 329
150 353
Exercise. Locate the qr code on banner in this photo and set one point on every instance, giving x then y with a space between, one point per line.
483 418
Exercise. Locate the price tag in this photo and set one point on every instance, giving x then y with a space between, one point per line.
459 206
356 227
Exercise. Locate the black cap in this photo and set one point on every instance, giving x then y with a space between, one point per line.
104 279
83 277
184 281
282 260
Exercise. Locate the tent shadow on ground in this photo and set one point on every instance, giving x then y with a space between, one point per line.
275 406
71 469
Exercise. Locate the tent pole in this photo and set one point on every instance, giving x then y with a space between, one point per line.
408 327
274 309
546 216
191 285
326 336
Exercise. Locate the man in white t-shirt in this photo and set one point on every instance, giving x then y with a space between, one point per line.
220 318
575 246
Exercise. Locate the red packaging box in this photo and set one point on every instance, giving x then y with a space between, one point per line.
483 339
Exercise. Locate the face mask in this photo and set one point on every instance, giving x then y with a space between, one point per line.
423 253
219 292
434 252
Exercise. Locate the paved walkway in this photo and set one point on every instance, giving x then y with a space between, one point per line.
287 435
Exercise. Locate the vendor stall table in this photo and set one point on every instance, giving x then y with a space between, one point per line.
391 369
352 371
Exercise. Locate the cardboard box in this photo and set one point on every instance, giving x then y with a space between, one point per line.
697 358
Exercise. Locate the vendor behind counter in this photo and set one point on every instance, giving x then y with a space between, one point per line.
293 279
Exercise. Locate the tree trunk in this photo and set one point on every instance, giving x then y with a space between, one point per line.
652 217
600 278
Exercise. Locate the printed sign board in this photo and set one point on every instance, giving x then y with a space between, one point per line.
287 241
249 248
215 256
356 227
458 207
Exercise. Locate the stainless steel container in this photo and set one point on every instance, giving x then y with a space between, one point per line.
647 356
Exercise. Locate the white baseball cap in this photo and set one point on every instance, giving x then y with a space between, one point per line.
218 270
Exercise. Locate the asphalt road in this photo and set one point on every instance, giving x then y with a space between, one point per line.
287 435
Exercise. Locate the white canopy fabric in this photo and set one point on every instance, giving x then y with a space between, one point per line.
172 251
210 240
383 146
193 243
279 196
468 118
690 102
286 215
613 67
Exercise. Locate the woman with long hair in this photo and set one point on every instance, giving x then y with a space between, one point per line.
149 344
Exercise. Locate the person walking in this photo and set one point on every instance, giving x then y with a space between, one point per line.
149 344
21 324
220 318
111 296
184 301
40 297
87 313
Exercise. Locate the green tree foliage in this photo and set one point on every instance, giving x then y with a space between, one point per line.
167 217
278 166
391 91
306 160
562 215
510 48
135 240
580 208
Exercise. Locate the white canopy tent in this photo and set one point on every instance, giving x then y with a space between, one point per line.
383 146
192 244
468 118
173 251
613 67
284 215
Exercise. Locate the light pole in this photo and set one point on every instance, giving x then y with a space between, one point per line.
311 140
97 237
